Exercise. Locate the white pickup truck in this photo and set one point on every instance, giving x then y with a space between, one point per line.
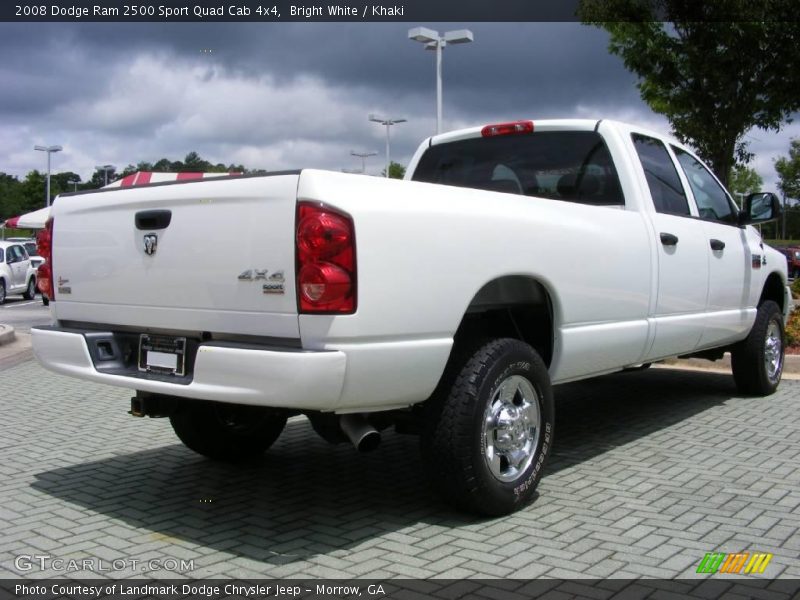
514 256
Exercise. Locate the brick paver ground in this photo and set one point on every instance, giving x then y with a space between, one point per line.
650 471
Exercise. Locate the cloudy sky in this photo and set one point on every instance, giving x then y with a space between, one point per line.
288 95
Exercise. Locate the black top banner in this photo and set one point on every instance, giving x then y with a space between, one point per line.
283 10
378 10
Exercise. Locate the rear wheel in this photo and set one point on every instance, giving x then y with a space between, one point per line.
228 432
490 430
757 361
2 291
30 291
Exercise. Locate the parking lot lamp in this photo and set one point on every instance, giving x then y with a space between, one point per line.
388 123
363 156
105 169
436 42
49 150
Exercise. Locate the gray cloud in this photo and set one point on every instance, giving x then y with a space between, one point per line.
289 94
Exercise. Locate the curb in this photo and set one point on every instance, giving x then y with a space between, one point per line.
791 363
6 334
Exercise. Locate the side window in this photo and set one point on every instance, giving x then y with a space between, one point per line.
23 253
712 201
2 257
662 178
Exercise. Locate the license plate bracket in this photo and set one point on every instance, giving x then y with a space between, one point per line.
162 354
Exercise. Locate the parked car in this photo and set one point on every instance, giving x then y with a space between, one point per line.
17 275
792 255
30 247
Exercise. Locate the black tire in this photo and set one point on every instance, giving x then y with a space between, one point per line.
30 291
2 291
757 361
229 432
461 433
45 300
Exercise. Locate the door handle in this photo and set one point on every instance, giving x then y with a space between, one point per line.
717 245
153 219
669 239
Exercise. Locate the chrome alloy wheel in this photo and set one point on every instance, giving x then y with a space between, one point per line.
773 351
511 427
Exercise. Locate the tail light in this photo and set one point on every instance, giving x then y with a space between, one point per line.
326 260
44 246
513 128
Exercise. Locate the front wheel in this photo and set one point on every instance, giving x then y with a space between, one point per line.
757 361
490 430
2 291
229 432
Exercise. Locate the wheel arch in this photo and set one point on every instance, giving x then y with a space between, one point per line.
515 306
773 290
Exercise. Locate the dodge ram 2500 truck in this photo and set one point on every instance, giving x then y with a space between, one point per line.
515 256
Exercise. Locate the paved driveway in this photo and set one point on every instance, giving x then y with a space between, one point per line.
650 472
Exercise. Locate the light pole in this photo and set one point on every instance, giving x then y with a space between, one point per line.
105 169
434 41
75 183
49 150
388 123
363 156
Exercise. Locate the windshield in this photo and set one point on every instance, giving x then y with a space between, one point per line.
574 166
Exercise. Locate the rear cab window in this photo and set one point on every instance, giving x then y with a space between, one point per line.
573 166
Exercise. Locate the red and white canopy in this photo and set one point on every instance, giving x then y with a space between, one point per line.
31 220
145 177
38 218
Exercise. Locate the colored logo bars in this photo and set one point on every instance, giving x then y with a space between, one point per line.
719 562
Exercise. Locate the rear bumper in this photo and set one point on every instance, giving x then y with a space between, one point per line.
275 377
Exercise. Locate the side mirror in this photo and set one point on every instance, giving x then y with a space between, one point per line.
760 207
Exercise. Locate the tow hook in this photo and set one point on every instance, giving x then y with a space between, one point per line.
152 405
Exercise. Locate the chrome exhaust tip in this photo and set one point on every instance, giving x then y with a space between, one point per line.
361 434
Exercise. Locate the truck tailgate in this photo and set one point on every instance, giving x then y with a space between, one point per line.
223 264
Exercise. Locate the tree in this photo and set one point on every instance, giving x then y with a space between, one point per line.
744 180
714 69
11 200
396 171
789 171
33 191
62 182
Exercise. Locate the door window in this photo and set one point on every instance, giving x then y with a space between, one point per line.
662 177
713 202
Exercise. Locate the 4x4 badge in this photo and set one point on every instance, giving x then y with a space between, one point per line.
150 243
275 282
